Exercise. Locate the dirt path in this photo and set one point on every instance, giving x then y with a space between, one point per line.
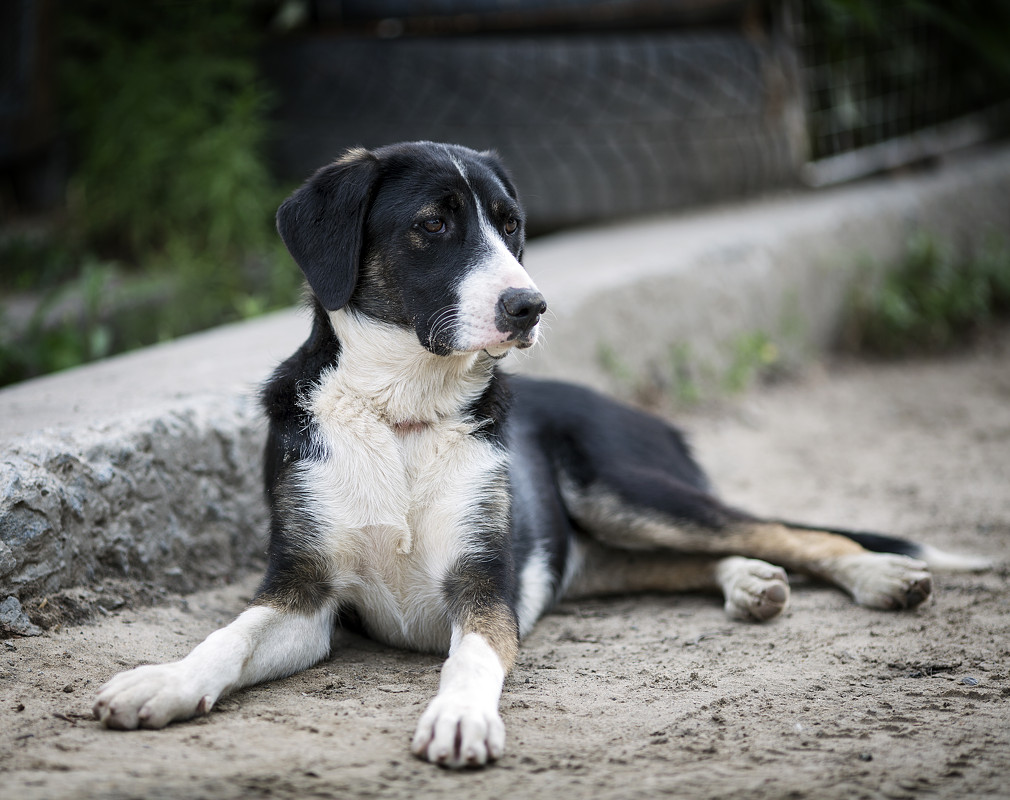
636 697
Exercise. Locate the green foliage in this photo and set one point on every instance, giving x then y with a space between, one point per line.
170 202
613 365
687 390
980 27
754 355
35 261
684 379
167 116
107 309
934 300
79 335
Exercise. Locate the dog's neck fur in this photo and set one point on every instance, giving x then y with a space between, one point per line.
409 387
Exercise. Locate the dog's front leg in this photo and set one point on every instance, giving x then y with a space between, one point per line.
262 643
461 726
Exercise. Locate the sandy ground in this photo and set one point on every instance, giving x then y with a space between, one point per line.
629 697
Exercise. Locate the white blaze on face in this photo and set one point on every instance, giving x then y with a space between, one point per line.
493 271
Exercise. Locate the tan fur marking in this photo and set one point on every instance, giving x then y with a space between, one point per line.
612 522
353 155
802 550
497 624
606 570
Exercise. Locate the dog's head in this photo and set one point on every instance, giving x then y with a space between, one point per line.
422 235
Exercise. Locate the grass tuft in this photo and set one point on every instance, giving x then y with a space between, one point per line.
936 299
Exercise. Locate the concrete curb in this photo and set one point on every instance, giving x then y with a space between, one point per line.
654 290
147 466
143 467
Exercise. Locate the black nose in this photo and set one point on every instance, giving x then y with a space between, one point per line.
519 310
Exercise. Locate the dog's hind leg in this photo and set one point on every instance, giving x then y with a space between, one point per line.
261 644
644 509
752 589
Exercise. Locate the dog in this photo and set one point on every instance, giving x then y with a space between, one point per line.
438 504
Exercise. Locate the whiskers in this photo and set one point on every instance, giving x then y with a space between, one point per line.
545 325
443 326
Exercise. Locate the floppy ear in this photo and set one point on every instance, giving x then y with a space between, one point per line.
494 162
322 225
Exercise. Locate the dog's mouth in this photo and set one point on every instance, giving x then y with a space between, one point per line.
495 347
525 340
463 338
502 349
522 340
511 323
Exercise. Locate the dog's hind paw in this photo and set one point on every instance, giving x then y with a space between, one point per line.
455 732
883 580
754 590
149 697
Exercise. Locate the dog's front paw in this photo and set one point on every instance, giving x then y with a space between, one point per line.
883 580
457 732
754 590
150 697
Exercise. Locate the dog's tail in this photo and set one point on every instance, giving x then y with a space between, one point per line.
936 558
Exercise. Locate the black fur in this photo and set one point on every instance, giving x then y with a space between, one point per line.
290 424
322 225
443 506
386 233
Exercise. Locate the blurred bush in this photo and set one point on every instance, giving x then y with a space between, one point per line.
167 117
937 298
170 202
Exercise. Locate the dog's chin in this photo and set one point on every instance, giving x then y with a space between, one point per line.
496 347
498 350
502 349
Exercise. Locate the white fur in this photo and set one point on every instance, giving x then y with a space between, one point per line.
952 562
479 291
392 502
574 564
391 497
461 726
261 644
535 590
878 580
388 369
753 589
493 271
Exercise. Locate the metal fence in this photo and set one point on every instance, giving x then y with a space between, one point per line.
889 87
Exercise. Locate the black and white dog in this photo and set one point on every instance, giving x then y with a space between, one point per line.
443 506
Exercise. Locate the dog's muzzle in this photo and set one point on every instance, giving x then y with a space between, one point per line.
518 312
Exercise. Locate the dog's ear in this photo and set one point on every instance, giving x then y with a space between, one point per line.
494 162
322 225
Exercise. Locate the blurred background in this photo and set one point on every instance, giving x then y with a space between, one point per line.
145 146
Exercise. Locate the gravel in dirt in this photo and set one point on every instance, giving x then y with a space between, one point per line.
633 696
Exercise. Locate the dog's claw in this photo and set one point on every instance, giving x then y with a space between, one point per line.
148 697
453 733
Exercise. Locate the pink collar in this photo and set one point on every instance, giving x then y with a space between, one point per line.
409 426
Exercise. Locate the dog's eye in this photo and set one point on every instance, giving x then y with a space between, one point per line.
434 225
511 225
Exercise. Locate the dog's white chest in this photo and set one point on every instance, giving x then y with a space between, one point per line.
394 513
